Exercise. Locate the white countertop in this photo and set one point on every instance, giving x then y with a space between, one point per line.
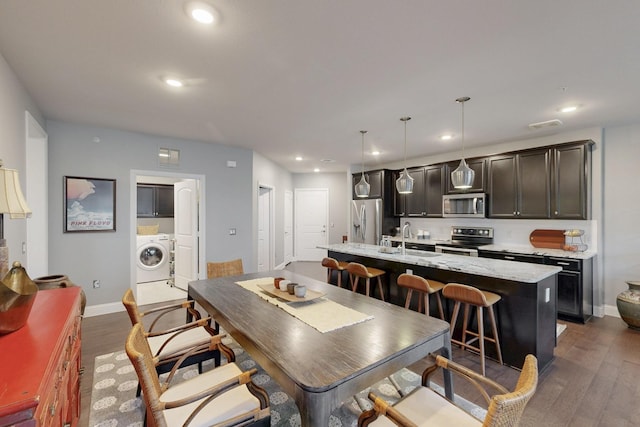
515 249
530 250
508 270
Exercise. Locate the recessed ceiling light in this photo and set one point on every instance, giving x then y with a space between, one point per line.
299 158
446 137
173 82
375 153
316 170
201 12
569 109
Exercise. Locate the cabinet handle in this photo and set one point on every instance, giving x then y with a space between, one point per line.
563 263
509 257
514 213
52 409
555 212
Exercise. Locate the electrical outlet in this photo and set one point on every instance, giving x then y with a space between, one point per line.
547 295
96 284
232 232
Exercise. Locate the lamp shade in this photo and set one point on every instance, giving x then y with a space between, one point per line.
404 183
362 187
463 176
12 201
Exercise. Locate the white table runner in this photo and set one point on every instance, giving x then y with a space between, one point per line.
321 314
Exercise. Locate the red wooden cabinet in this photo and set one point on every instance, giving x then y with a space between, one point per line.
40 364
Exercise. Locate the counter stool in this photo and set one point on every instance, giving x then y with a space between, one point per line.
470 296
424 288
333 264
357 271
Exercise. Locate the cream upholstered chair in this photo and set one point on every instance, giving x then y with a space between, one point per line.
170 344
425 407
222 396
332 265
224 268
424 288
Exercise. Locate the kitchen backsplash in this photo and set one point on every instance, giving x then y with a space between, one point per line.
506 231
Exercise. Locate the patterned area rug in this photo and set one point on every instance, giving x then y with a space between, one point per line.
114 404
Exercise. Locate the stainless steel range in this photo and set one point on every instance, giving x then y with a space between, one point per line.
466 240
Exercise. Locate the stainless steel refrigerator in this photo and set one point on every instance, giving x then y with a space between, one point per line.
366 221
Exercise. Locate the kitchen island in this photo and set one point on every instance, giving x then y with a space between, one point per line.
526 315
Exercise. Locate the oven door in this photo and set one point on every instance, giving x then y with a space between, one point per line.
456 251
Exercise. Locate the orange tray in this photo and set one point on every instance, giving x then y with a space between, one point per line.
550 239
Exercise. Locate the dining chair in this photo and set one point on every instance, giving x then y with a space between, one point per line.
224 395
424 406
224 268
168 345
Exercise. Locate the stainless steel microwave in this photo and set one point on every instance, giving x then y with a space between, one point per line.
467 205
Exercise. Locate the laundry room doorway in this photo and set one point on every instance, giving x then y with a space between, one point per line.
161 267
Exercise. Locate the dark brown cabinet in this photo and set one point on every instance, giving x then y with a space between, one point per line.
426 199
575 282
570 189
376 182
479 181
519 185
549 182
575 288
155 201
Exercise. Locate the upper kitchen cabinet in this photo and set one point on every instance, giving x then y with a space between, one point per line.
519 185
479 166
426 198
155 201
570 181
376 180
548 182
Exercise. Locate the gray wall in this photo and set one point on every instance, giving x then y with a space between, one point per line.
339 196
621 211
13 103
270 174
106 255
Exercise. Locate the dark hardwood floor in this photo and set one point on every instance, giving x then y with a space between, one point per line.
593 380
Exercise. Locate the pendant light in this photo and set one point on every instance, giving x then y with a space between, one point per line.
462 177
362 187
404 184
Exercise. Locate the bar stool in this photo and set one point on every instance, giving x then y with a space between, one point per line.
333 264
424 288
470 296
358 271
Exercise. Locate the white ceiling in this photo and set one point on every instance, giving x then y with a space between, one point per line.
302 77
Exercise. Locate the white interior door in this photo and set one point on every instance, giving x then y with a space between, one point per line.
186 232
311 218
37 197
264 229
288 227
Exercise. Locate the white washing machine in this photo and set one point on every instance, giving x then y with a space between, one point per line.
152 257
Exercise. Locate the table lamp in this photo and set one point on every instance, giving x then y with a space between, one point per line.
17 291
12 202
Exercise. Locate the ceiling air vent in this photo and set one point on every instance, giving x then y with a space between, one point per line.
548 123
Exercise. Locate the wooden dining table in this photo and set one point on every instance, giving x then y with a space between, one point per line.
322 370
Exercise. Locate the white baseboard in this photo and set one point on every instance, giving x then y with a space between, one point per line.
100 309
609 310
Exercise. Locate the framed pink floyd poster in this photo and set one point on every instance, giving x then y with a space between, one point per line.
89 204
